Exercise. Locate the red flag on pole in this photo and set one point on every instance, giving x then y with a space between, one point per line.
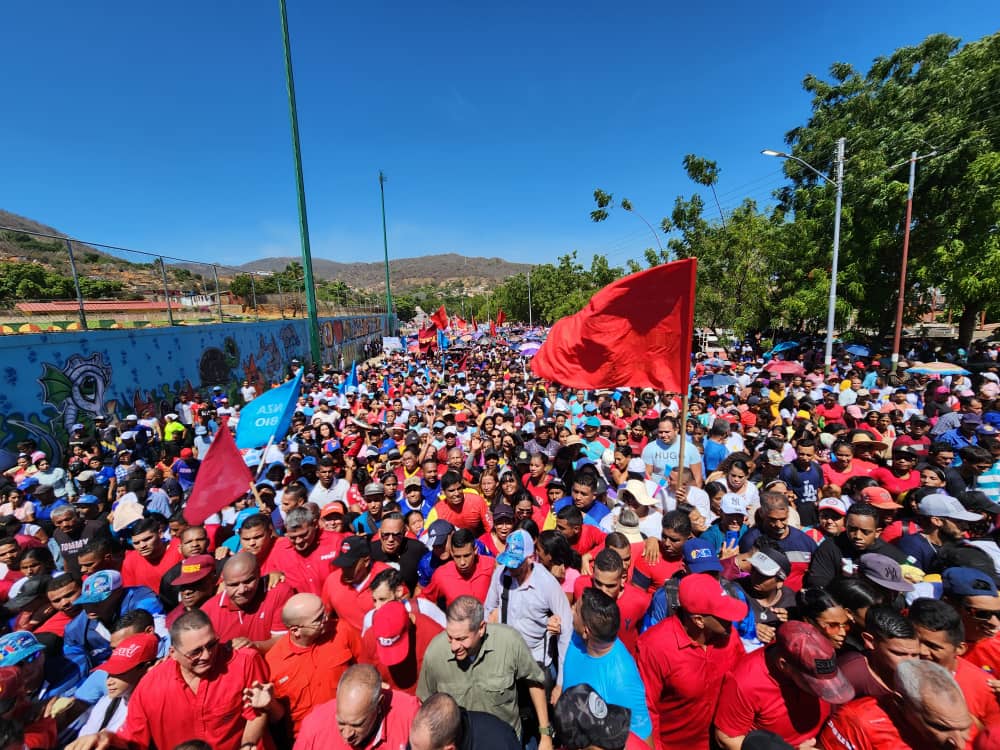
427 339
635 332
472 323
500 317
222 478
440 318
493 329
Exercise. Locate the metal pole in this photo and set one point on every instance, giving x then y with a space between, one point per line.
897 337
253 291
218 293
166 291
281 298
307 267
385 246
832 309
530 324
76 284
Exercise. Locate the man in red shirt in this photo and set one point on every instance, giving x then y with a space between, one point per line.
467 573
62 593
585 539
197 692
305 552
307 663
610 577
974 595
150 557
927 712
787 688
830 411
683 659
258 538
358 726
395 644
347 592
652 572
942 637
195 585
462 509
247 612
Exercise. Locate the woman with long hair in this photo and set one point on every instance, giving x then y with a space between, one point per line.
820 609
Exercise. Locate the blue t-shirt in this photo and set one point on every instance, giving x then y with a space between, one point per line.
664 458
714 453
805 483
614 676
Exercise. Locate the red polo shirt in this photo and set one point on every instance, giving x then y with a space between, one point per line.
307 676
448 584
632 605
682 681
306 573
474 515
259 622
865 724
402 676
164 712
351 601
752 698
139 571
319 730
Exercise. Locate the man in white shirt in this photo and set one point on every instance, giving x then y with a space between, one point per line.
328 487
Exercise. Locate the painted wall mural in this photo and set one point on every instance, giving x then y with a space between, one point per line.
48 382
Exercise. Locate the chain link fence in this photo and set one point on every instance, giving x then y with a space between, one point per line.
54 283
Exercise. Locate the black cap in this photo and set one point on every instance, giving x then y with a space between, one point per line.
352 549
583 719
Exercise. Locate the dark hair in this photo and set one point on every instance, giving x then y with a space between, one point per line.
854 593
616 540
600 614
296 489
812 603
608 561
193 619
450 479
571 515
677 520
939 446
527 524
884 621
974 454
99 545
58 582
805 442
557 547
864 509
137 619
39 554
715 488
257 521
854 485
145 525
939 617
462 538
586 480
390 577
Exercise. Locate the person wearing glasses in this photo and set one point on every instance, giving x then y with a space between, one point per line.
203 685
974 594
392 546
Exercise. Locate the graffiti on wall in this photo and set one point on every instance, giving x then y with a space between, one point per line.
52 381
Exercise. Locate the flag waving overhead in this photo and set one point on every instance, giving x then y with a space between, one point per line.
440 318
635 332
267 417
501 317
222 478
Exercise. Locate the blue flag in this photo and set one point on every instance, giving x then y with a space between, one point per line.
267 417
351 379
385 385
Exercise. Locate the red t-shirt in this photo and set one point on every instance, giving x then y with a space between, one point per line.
657 574
682 681
751 698
865 724
472 515
590 541
306 573
833 475
55 624
632 605
260 622
448 584
979 697
538 491
896 485
830 414
139 571
164 712
402 676
985 654
351 600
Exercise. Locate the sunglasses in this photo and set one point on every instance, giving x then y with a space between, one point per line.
983 615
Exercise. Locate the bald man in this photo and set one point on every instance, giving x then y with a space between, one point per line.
246 611
362 711
307 662
441 724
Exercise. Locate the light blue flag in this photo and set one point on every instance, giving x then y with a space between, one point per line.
267 417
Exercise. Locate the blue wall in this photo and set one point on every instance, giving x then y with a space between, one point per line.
48 381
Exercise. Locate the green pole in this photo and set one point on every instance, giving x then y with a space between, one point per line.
385 246
307 266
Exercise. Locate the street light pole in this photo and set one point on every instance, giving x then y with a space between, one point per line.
307 266
839 184
530 322
385 246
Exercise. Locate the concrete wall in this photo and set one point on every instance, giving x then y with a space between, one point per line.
48 381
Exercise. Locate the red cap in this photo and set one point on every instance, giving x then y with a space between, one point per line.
187 453
461 417
194 569
332 508
137 649
880 498
391 628
702 594
813 656
651 414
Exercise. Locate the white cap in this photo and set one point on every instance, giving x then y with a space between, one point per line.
637 466
839 504
733 504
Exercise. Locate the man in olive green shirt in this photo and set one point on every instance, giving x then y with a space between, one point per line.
479 665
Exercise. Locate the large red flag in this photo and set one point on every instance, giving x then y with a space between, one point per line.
500 317
222 478
440 318
427 339
493 329
635 332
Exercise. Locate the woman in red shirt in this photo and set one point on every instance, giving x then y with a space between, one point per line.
901 476
843 466
537 479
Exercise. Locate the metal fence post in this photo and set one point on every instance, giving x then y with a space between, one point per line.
281 298
253 292
76 284
166 290
218 292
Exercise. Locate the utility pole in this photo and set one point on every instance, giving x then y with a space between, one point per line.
385 246
307 266
898 336
832 307
530 323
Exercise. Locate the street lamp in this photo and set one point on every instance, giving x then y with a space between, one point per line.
839 184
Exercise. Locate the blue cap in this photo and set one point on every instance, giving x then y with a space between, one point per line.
27 483
590 407
700 557
242 516
77 426
438 531
968 582
99 586
308 461
274 465
987 429
17 647
592 422
388 445
992 417
87 500
519 548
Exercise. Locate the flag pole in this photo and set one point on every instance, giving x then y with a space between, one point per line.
260 469
682 436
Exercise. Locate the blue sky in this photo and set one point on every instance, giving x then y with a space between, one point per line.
164 126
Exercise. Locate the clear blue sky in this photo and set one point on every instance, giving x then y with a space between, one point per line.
164 126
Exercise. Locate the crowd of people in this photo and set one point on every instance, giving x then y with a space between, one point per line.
454 553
